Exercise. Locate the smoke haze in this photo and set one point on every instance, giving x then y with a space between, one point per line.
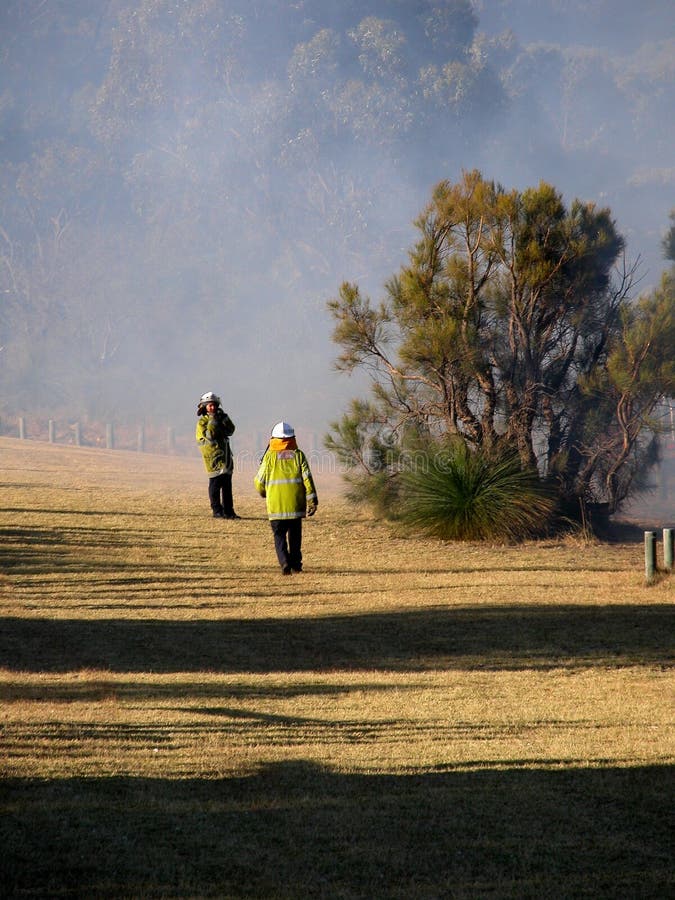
186 184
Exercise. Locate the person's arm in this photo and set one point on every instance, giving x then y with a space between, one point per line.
227 423
310 489
200 433
210 430
260 480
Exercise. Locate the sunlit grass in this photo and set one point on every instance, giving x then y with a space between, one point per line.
407 718
101 724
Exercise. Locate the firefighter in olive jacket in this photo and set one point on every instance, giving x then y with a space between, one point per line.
214 428
285 480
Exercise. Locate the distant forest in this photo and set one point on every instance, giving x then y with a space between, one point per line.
184 183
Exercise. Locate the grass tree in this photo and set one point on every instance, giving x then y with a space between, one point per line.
464 494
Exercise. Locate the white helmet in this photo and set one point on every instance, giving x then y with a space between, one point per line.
283 430
209 397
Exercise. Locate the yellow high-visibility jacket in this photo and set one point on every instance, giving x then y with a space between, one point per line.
212 435
285 480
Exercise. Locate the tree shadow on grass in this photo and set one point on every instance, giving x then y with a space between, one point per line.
506 637
43 551
618 531
296 830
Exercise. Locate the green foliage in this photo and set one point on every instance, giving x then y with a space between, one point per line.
640 373
511 327
669 239
370 456
460 494
643 361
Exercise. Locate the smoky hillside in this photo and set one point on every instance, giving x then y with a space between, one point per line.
186 183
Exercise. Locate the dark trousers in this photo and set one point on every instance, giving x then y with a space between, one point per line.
287 542
220 494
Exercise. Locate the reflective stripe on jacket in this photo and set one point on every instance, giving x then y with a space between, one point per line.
285 480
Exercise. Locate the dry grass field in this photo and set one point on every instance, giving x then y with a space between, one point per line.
405 719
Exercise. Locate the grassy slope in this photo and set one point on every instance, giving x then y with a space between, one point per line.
405 719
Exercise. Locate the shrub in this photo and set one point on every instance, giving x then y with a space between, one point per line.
462 494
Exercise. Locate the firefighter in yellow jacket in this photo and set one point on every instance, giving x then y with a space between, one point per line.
214 428
285 480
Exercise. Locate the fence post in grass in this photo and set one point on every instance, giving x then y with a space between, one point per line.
650 556
140 445
51 431
22 428
78 435
109 437
668 535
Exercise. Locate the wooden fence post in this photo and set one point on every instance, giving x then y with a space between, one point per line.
78 436
22 428
140 443
51 431
650 556
668 535
109 437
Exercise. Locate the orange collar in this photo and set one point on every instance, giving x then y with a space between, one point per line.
279 444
